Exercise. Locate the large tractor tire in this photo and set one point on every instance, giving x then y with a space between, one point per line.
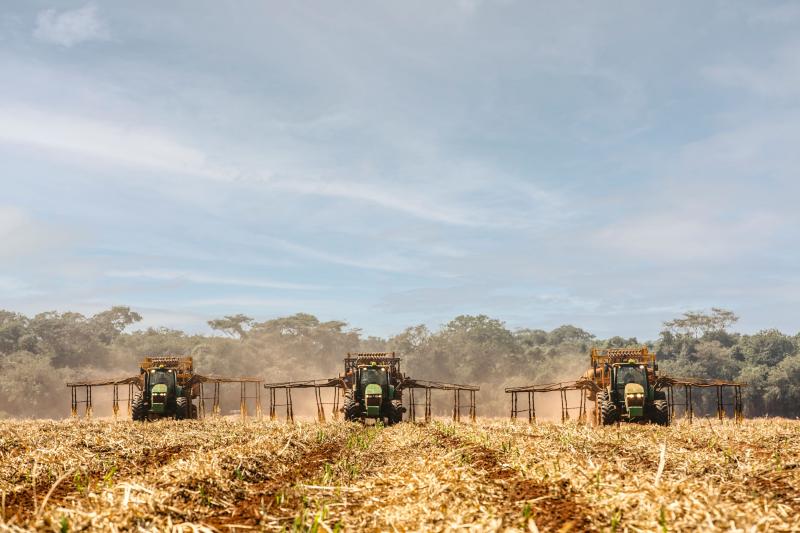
138 407
608 411
660 413
351 410
396 411
181 408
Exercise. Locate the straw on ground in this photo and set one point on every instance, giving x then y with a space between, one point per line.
222 475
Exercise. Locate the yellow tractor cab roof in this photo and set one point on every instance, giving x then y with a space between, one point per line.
629 362
373 365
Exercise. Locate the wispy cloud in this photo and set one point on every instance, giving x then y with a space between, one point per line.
687 237
383 262
157 150
783 14
406 160
13 288
9 284
472 298
105 140
68 28
777 77
206 279
386 196
22 235
249 302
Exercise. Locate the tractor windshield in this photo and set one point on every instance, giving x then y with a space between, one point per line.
374 375
631 374
162 378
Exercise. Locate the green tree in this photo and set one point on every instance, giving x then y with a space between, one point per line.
699 323
233 325
530 338
782 390
108 325
13 328
410 340
568 333
767 347
621 342
31 387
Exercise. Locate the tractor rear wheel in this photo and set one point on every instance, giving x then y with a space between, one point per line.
396 410
181 408
608 411
660 413
138 407
350 407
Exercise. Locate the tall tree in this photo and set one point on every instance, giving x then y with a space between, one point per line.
699 323
233 325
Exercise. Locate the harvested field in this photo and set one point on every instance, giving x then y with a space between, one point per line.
224 475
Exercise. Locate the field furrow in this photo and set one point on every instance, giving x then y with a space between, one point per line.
223 475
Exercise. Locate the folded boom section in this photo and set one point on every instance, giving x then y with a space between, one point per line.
373 386
624 385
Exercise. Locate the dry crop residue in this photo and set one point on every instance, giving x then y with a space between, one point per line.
550 505
218 474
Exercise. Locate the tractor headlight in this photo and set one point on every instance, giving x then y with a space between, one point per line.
634 399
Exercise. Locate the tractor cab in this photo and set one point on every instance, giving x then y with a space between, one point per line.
163 389
373 384
629 386
166 389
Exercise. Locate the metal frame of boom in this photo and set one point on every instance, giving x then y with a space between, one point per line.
459 409
587 388
283 392
246 397
287 386
87 387
688 384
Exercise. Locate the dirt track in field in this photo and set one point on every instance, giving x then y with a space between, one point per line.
221 475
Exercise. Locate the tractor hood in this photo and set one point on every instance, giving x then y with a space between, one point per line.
634 399
373 394
158 398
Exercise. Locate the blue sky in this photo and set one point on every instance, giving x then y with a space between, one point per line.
389 164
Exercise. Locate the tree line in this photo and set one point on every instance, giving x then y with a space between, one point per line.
39 354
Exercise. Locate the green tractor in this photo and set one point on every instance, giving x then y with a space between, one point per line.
630 396
164 394
372 389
